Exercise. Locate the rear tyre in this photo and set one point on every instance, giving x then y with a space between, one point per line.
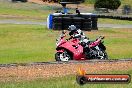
104 56
62 56
24 0
13 0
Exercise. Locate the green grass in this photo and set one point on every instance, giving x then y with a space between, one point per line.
26 43
64 82
33 43
126 2
90 1
25 10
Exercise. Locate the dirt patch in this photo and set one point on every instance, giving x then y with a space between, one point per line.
82 7
58 70
44 3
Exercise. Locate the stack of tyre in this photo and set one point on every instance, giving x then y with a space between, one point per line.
62 22
94 21
87 24
19 0
57 23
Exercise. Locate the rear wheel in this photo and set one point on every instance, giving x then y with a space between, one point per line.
62 56
103 55
24 0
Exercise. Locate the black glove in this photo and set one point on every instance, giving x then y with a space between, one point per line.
83 44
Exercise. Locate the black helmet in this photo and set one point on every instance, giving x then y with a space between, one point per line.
72 28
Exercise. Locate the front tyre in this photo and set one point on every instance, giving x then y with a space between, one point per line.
62 56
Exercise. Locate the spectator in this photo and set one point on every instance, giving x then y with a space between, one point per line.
77 11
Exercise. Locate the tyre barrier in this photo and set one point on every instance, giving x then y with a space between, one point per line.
57 26
19 0
116 17
94 23
84 22
69 62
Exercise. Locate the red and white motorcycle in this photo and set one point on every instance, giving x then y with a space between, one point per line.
71 49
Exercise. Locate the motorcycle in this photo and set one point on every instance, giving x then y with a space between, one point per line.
71 49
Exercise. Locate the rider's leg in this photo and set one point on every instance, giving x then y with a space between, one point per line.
86 48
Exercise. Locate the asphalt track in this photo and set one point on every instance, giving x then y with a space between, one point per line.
10 21
67 62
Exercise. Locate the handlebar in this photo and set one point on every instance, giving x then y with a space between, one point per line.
69 38
64 31
101 37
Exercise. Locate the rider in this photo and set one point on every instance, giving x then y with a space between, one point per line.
77 33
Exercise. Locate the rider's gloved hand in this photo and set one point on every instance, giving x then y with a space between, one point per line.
101 37
83 44
71 37
64 31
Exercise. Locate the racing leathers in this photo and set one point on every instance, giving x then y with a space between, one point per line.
84 41
79 35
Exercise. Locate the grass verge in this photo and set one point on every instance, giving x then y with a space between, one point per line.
24 10
35 43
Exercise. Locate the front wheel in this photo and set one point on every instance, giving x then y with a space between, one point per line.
62 56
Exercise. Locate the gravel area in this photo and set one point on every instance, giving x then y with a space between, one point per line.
47 70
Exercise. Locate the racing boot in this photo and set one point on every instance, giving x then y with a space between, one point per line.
87 52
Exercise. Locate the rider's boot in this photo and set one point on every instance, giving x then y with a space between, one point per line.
87 52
